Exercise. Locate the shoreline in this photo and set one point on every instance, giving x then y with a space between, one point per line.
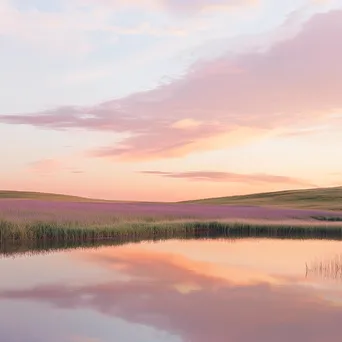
70 231
44 223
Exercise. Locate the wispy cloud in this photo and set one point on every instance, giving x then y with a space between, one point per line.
230 177
51 166
70 29
177 6
224 102
45 166
306 131
204 5
77 171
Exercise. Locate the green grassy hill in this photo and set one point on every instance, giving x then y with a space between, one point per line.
321 198
44 196
41 196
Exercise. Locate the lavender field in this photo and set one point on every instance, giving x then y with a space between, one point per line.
20 210
35 219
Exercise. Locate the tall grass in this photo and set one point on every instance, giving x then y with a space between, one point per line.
56 223
47 237
73 231
328 218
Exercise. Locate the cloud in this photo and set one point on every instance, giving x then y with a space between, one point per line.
77 171
69 29
230 177
196 301
49 166
186 124
306 131
195 6
177 6
225 102
45 166
63 30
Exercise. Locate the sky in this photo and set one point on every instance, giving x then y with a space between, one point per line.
168 100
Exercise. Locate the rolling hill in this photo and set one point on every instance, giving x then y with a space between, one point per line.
320 198
41 196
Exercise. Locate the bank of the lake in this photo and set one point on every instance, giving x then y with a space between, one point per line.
71 231
43 220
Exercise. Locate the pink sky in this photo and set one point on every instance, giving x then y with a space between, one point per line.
266 115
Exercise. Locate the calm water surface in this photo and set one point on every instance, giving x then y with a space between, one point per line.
176 291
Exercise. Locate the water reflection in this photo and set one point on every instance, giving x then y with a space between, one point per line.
326 269
177 291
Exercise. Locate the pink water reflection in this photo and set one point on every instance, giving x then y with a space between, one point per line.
241 291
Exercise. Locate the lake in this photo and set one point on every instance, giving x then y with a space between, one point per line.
176 291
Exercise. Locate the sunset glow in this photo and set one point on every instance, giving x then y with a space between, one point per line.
165 100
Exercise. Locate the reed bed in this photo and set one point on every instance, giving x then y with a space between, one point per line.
73 231
45 237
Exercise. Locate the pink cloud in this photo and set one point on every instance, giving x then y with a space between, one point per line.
49 166
45 166
177 6
202 5
233 100
215 176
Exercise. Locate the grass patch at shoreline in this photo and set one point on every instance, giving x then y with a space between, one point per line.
31 223
47 237
328 218
71 231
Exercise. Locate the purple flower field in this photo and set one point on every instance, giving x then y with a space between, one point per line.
88 212
36 220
